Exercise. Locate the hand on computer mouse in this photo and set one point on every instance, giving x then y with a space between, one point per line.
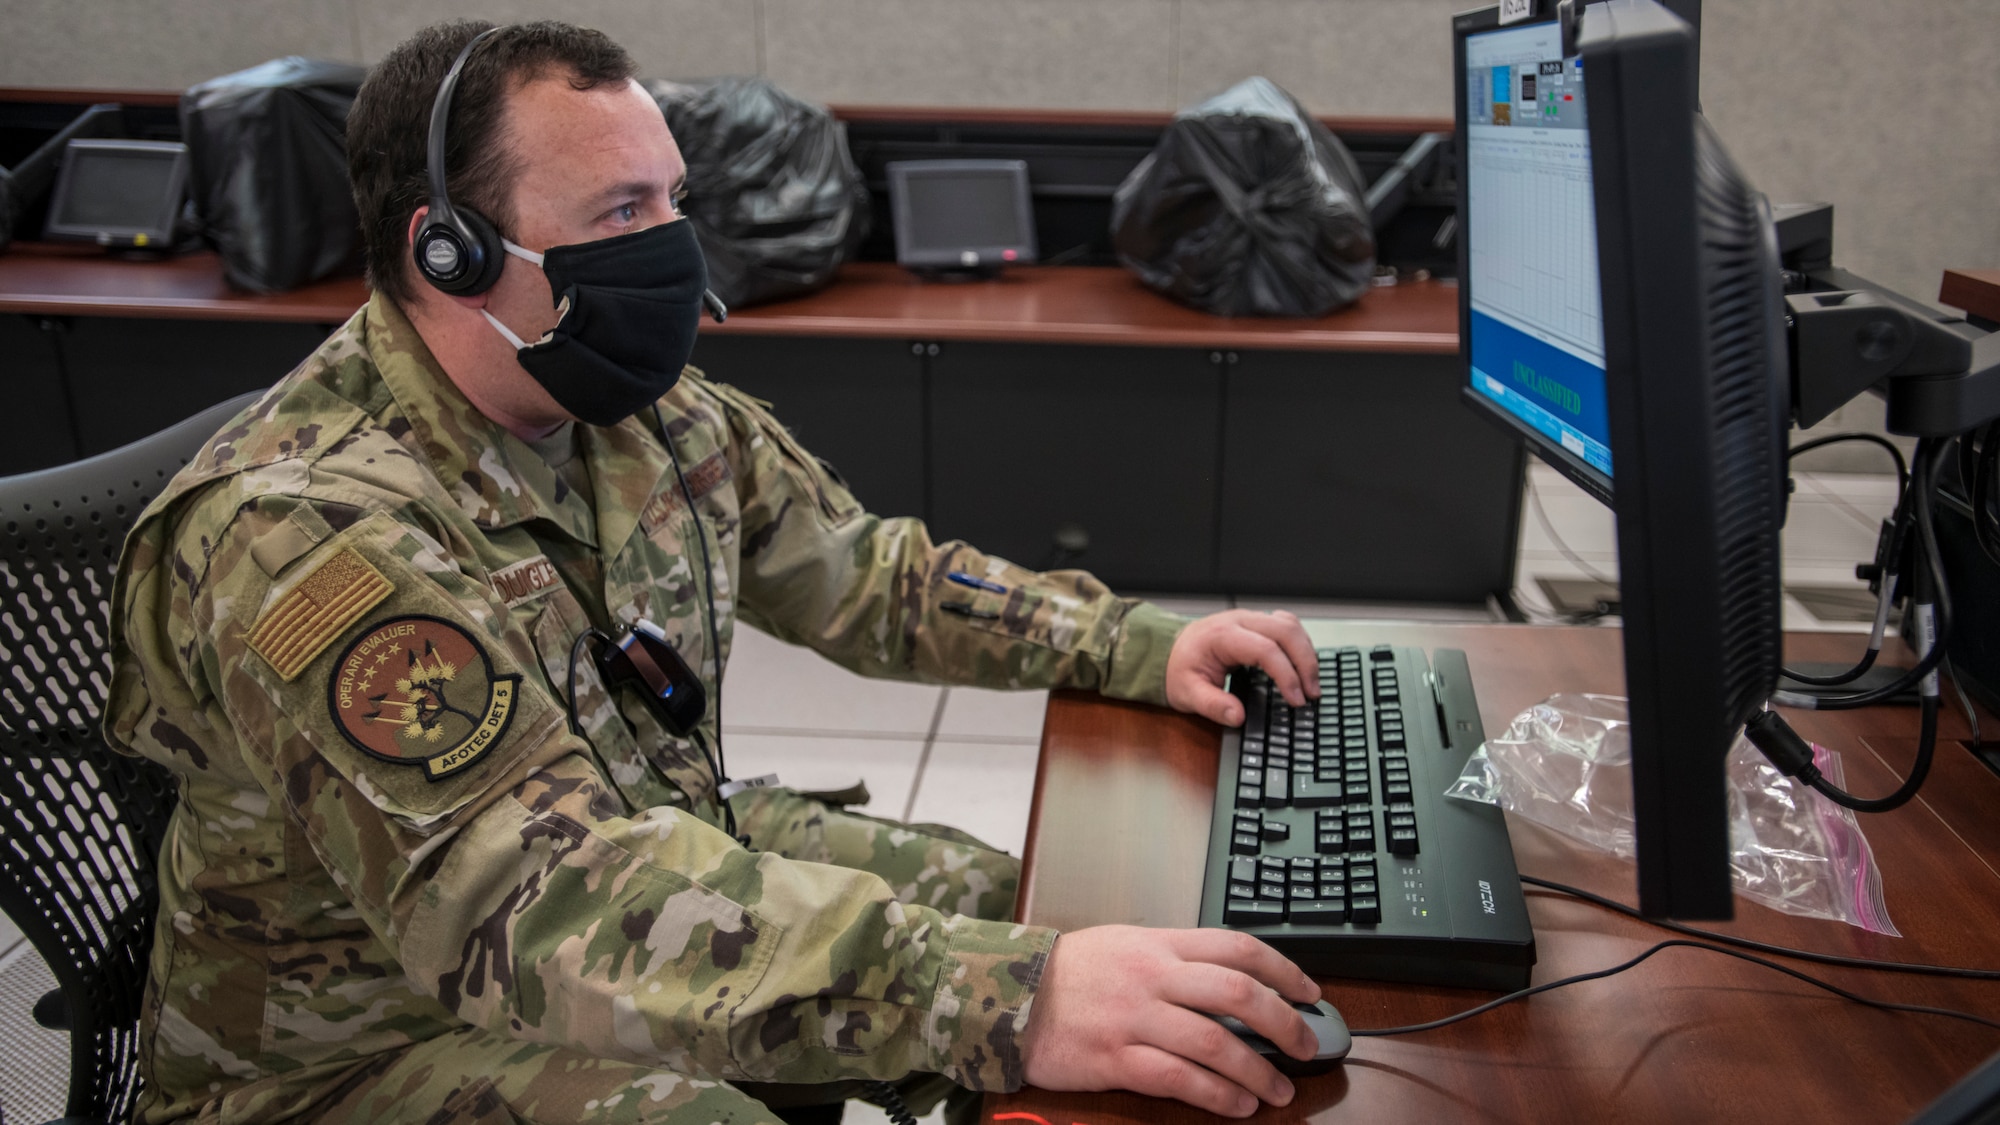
1127 1008
1209 647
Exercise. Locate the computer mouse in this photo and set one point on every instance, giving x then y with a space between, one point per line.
1324 1020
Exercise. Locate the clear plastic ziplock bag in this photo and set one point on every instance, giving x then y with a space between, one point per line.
1566 764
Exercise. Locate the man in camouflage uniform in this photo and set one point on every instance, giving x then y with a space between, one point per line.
428 866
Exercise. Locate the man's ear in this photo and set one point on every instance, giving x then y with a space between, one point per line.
417 218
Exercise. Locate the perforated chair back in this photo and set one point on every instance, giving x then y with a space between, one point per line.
80 825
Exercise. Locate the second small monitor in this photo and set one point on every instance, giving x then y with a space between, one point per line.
961 217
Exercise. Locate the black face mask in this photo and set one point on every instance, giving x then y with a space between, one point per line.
628 307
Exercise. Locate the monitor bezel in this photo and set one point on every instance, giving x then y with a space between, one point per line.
161 233
901 172
1580 472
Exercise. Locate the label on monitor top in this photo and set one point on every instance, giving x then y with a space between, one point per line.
1514 11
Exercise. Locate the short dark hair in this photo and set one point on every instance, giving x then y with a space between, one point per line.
389 126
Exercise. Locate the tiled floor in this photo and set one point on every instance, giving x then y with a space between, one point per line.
1831 525
966 757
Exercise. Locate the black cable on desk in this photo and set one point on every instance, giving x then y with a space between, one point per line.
1834 959
1670 943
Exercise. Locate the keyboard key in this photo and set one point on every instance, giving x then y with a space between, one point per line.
1382 652
1330 842
1249 775
1249 761
1301 865
1402 841
1276 830
1257 912
1396 791
1301 892
1243 869
1364 910
1360 888
1242 890
1361 869
1243 843
1277 787
1328 911
1316 790
1249 796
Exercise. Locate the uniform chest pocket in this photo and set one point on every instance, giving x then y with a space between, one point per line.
557 621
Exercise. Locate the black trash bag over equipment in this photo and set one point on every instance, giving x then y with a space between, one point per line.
773 192
268 171
1248 207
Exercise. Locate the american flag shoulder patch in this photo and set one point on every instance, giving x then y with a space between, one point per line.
316 611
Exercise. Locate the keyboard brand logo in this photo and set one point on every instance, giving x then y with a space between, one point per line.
1486 897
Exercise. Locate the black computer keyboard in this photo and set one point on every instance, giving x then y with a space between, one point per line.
1333 840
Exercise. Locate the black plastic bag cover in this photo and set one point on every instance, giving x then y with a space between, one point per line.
772 190
1247 206
269 171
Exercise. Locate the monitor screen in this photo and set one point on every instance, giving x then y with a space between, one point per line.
959 209
961 214
119 188
1536 334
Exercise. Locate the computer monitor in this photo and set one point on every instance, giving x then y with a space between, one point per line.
119 193
1621 310
972 216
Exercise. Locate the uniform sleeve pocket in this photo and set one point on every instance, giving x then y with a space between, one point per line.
361 661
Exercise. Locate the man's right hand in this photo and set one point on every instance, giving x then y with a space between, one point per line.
1121 1008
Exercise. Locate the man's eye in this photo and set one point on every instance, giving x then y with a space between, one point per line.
626 213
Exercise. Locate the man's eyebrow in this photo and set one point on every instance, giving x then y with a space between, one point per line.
637 189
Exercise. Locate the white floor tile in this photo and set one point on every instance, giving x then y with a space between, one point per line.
1187 605
1006 716
889 767
1823 533
773 686
1583 525
861 1113
1870 499
1323 610
982 788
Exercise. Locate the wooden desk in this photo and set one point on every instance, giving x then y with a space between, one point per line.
1101 305
1975 291
1117 834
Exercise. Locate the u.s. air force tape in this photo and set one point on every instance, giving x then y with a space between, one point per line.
419 691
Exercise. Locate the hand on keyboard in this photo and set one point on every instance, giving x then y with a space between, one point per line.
1208 648
1121 1008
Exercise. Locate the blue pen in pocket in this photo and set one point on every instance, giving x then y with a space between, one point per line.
975 582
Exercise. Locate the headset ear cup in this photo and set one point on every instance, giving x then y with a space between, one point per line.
458 252
488 256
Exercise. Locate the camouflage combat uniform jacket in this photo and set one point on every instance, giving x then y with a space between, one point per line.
346 627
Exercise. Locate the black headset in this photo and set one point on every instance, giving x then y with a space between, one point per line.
457 249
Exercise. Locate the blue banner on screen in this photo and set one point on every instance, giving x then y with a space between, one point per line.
1558 394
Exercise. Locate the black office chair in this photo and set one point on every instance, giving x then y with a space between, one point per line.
80 825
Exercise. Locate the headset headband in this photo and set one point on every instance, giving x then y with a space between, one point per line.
440 111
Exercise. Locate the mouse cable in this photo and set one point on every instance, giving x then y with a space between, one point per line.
885 1097
1927 562
1834 959
1670 943
1902 467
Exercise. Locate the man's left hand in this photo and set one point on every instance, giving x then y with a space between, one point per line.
1208 648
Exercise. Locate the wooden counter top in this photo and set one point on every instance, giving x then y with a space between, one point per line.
1975 291
79 280
1091 305
1102 305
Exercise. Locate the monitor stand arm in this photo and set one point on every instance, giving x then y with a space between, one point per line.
1941 377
